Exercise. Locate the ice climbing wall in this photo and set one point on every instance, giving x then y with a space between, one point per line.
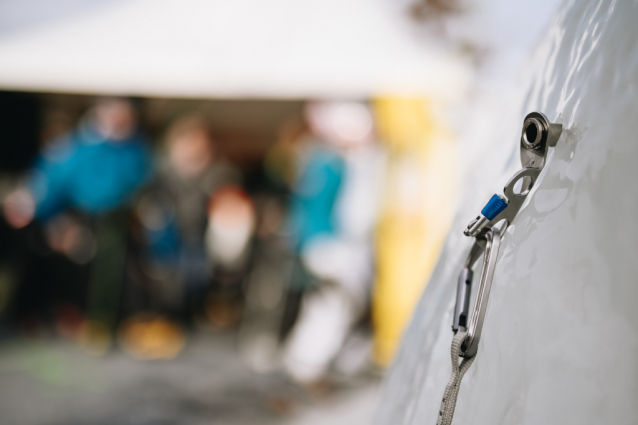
560 339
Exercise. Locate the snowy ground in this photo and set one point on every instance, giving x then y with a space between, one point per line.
55 383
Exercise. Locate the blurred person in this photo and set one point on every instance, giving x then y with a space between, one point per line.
280 161
230 226
266 299
229 236
94 171
333 213
271 302
174 214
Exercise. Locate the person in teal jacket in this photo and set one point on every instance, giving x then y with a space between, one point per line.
97 168
315 194
81 186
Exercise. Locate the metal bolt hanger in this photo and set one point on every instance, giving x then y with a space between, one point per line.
488 229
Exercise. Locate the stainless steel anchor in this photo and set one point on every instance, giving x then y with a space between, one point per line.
488 228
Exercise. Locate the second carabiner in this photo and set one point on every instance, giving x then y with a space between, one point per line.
493 243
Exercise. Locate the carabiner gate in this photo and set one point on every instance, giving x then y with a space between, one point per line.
493 243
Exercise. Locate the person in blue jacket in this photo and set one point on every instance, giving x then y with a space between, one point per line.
93 172
97 168
332 214
315 194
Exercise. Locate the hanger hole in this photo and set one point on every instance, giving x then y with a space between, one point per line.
523 186
532 133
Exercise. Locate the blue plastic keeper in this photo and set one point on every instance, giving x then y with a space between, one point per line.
494 207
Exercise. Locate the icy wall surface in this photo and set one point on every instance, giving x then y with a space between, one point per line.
560 339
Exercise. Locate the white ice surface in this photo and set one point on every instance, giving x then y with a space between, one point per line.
560 340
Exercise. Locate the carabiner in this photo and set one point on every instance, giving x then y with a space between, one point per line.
493 243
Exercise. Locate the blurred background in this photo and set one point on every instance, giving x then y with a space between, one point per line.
225 211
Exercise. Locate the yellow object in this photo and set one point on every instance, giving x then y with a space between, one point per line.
149 336
418 207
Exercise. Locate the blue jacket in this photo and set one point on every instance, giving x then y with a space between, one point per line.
315 196
90 173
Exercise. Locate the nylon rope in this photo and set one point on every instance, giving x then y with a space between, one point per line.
448 404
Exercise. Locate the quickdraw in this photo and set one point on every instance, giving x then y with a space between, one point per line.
488 229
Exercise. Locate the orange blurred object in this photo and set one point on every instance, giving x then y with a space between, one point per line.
149 336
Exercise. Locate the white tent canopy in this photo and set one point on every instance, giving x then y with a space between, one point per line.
226 49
